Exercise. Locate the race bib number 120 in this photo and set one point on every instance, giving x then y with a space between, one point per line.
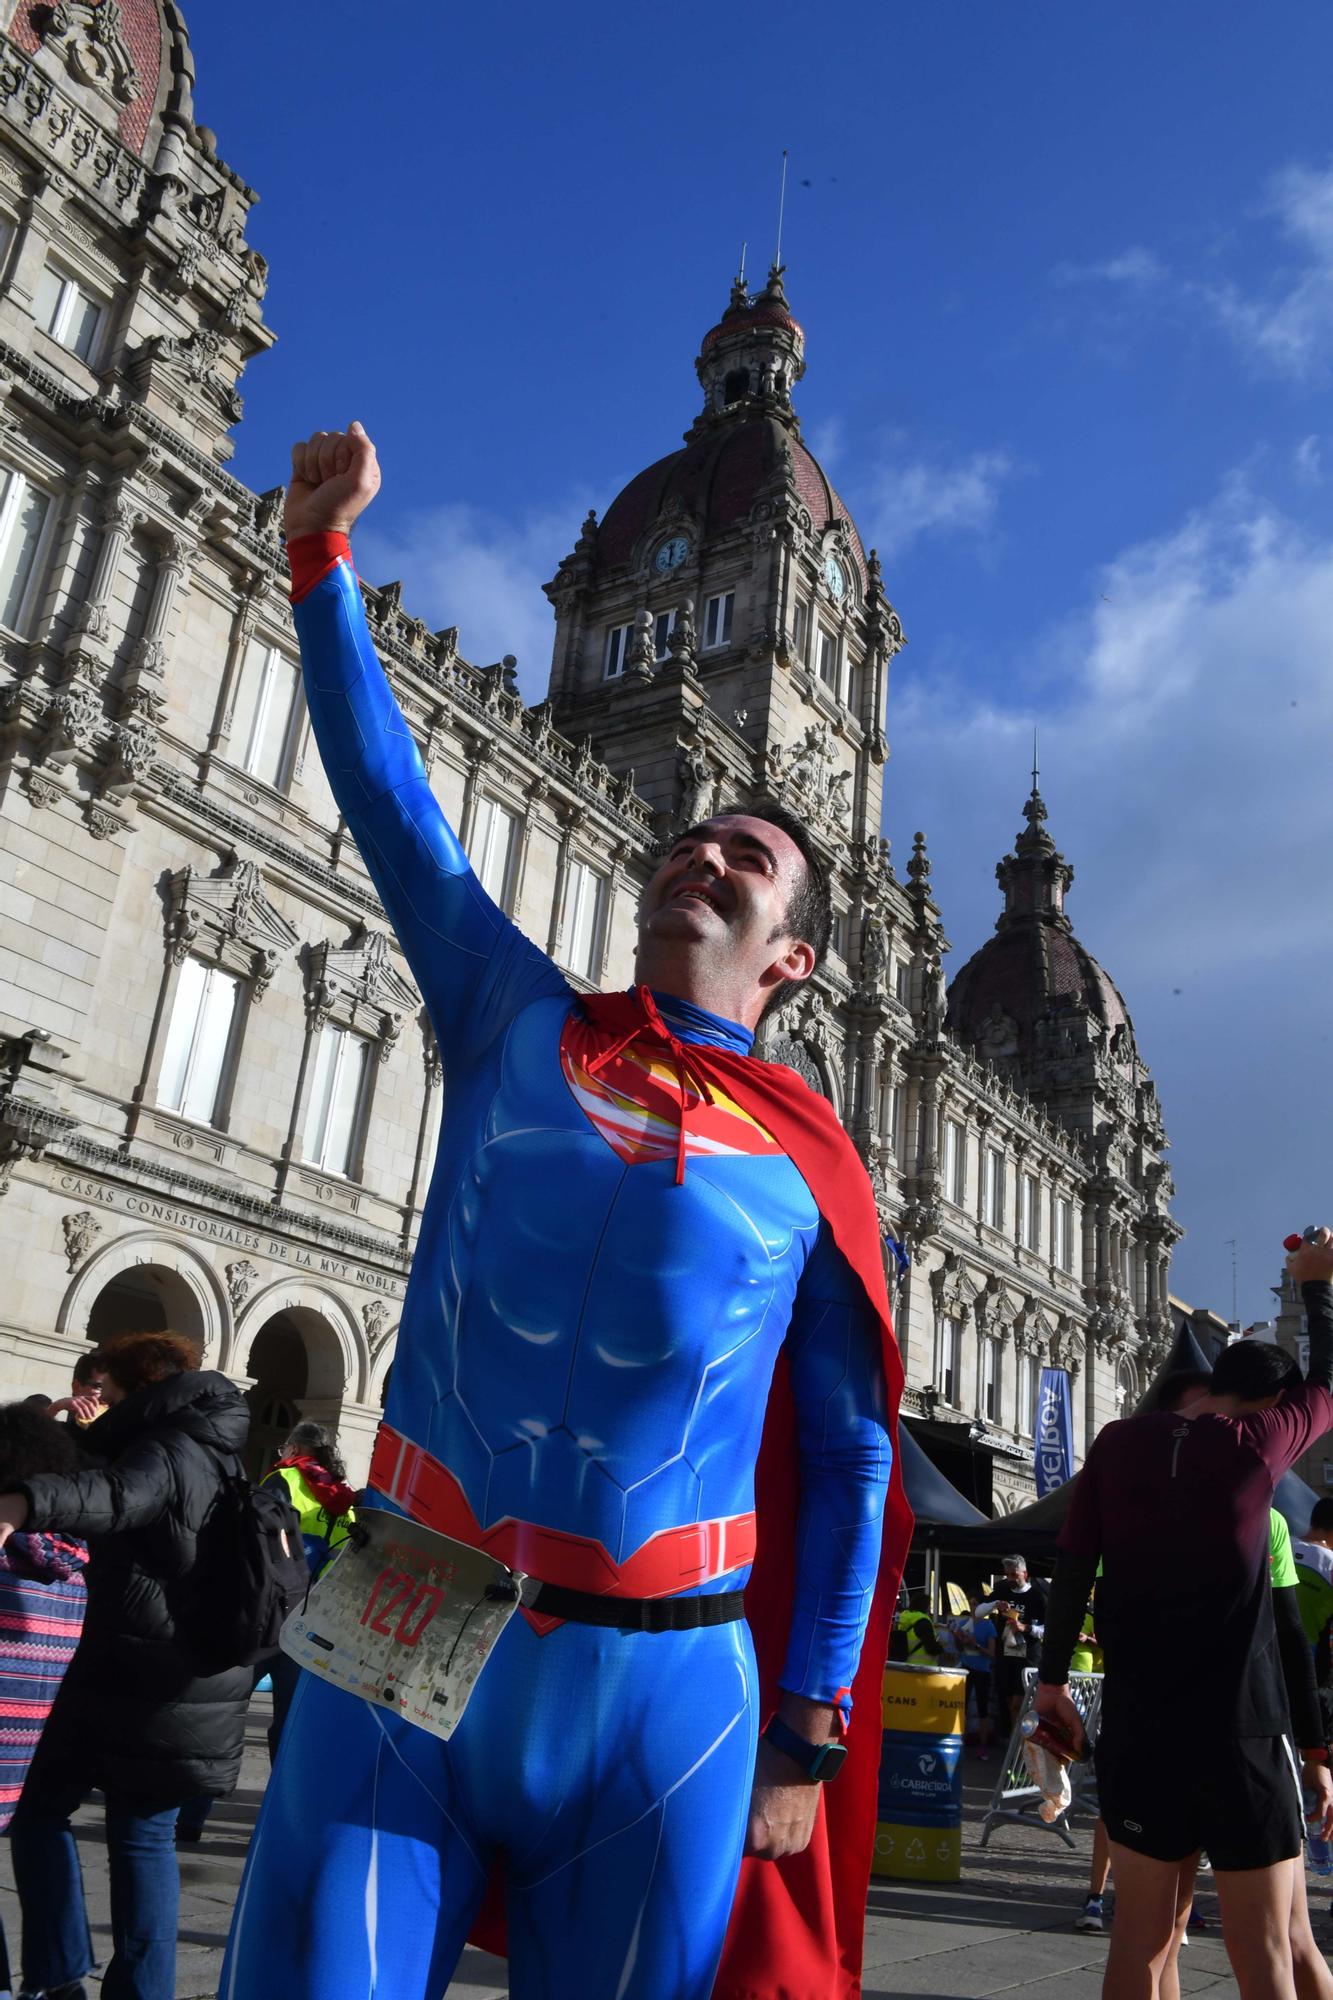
405 1618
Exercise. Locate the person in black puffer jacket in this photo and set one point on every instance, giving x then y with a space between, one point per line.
134 1718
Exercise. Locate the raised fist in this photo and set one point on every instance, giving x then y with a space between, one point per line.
335 476
1313 1260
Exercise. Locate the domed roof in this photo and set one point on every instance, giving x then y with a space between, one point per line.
717 479
1034 972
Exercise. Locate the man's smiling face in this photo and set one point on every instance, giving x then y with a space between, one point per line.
725 888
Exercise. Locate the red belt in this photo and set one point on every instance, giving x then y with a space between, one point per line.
672 1560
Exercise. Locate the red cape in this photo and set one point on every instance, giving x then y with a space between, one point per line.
797 1926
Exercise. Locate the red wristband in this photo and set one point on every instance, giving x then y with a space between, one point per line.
311 557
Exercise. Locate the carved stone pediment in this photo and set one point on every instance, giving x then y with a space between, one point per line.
360 987
229 918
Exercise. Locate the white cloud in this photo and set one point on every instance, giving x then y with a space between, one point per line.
1309 456
461 566
925 497
1287 326
1135 268
826 442
1185 767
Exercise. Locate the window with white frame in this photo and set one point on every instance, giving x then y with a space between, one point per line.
948 1360
800 628
990 1380
585 899
826 657
24 512
955 1160
617 651
994 1191
717 619
199 1038
264 721
67 312
1028 1213
1027 1393
492 848
337 1091
1063 1248
897 1108
664 624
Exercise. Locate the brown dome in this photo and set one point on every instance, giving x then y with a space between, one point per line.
1027 974
717 479
1033 974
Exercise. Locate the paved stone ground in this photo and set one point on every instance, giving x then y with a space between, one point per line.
1007 1925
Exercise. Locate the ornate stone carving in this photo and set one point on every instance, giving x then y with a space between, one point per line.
698 784
90 36
103 820
81 1232
242 1277
75 722
362 986
374 1315
43 789
134 741
786 1049
641 660
229 917
807 775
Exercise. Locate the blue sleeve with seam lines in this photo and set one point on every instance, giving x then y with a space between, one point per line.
846 1456
475 968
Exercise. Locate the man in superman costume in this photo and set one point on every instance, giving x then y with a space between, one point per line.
646 1358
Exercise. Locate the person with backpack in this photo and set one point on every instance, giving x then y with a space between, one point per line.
137 1718
42 1602
315 1480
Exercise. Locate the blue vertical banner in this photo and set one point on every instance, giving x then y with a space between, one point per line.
1053 1452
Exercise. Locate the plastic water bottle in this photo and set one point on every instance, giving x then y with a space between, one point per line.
1318 1853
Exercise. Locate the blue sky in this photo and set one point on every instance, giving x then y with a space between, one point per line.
1066 276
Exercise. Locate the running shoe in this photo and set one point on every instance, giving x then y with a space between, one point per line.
1093 1917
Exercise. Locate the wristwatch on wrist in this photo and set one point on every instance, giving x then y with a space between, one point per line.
819 1761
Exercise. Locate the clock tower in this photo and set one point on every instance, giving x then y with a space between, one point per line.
721 633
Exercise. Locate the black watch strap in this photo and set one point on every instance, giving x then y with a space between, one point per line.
819 1761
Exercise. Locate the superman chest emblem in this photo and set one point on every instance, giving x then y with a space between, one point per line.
635 1103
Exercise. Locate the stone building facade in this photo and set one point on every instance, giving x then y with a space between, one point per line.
219 1092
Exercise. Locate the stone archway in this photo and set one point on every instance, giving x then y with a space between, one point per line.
145 1284
299 1368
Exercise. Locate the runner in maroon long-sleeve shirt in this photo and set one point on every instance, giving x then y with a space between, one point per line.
1192 1749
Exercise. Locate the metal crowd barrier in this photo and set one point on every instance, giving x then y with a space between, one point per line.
1016 1798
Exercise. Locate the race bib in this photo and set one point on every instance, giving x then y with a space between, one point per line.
405 1618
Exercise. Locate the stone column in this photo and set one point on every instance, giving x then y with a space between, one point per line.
149 659
534 795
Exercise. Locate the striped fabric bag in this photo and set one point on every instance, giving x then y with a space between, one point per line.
42 1602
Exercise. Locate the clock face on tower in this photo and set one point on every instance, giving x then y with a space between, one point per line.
834 578
671 554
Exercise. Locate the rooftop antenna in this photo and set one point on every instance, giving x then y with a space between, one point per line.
1035 771
782 205
1235 1308
744 248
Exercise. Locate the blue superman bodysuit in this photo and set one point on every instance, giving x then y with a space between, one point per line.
580 1382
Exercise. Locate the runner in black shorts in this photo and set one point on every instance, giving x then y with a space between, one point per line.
1243 1806
1176 1506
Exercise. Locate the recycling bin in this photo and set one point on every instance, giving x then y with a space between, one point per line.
919 1823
